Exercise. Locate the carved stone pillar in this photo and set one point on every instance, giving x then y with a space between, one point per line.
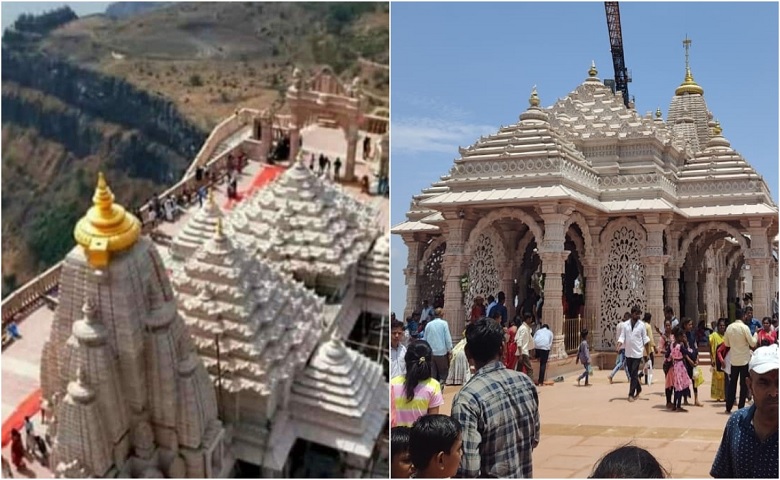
552 312
654 260
456 263
553 257
672 283
758 257
266 137
691 293
507 283
415 250
592 277
349 167
295 137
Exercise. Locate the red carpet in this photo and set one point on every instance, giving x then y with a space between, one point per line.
28 408
265 176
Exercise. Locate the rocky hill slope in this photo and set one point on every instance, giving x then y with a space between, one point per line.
135 95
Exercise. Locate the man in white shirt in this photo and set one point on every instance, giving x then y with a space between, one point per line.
543 341
525 343
427 312
633 337
397 349
740 343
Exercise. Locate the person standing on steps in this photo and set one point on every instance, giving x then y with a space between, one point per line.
633 338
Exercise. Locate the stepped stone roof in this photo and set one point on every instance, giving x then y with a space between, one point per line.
590 147
197 231
343 391
306 225
266 323
375 267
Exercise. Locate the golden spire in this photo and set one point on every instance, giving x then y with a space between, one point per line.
211 196
689 85
534 100
592 72
716 130
219 227
658 113
106 227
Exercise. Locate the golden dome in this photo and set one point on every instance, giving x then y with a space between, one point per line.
534 100
106 227
689 85
592 72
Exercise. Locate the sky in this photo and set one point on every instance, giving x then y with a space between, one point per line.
461 70
12 10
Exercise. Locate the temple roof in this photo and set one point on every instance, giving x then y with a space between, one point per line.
590 148
197 231
342 390
375 267
306 225
266 323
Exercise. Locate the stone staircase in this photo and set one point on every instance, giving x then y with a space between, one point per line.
231 142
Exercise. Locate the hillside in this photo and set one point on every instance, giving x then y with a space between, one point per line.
135 95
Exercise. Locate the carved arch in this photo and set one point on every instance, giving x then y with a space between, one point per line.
577 218
605 239
430 249
513 213
688 238
578 241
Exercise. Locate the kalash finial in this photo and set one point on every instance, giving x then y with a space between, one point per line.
592 72
219 228
534 100
106 227
658 113
717 130
689 85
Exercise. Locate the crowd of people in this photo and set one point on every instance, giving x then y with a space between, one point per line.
493 425
31 447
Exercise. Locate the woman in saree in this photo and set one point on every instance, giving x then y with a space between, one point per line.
718 388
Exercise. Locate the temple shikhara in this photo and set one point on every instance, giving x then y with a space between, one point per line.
244 337
596 208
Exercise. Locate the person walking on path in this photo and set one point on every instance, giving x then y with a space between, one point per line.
665 343
693 353
678 355
437 334
620 360
633 338
498 410
649 350
29 435
583 356
416 393
718 388
397 349
510 359
749 445
740 341
337 169
543 341
525 343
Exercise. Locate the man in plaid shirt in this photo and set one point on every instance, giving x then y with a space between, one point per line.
497 408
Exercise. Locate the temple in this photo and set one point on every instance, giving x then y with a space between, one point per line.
595 208
237 339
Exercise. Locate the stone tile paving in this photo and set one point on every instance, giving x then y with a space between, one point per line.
580 424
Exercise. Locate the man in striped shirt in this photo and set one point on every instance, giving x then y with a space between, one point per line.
497 408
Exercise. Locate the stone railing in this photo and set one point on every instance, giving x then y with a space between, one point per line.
221 132
31 294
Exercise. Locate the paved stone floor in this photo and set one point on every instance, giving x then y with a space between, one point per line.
580 424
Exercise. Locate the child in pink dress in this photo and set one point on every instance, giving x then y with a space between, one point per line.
680 379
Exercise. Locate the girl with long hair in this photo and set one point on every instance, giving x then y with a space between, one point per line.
416 393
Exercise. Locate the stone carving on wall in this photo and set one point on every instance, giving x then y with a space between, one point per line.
483 271
432 281
622 280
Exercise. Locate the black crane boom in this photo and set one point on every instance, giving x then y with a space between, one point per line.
616 45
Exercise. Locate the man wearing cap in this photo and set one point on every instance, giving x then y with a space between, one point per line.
749 445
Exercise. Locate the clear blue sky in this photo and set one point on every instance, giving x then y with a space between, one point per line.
12 10
460 70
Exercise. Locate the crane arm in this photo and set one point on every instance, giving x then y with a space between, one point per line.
616 46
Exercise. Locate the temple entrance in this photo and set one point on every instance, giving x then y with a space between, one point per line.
325 100
313 460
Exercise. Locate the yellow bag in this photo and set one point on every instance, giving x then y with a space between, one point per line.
698 376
